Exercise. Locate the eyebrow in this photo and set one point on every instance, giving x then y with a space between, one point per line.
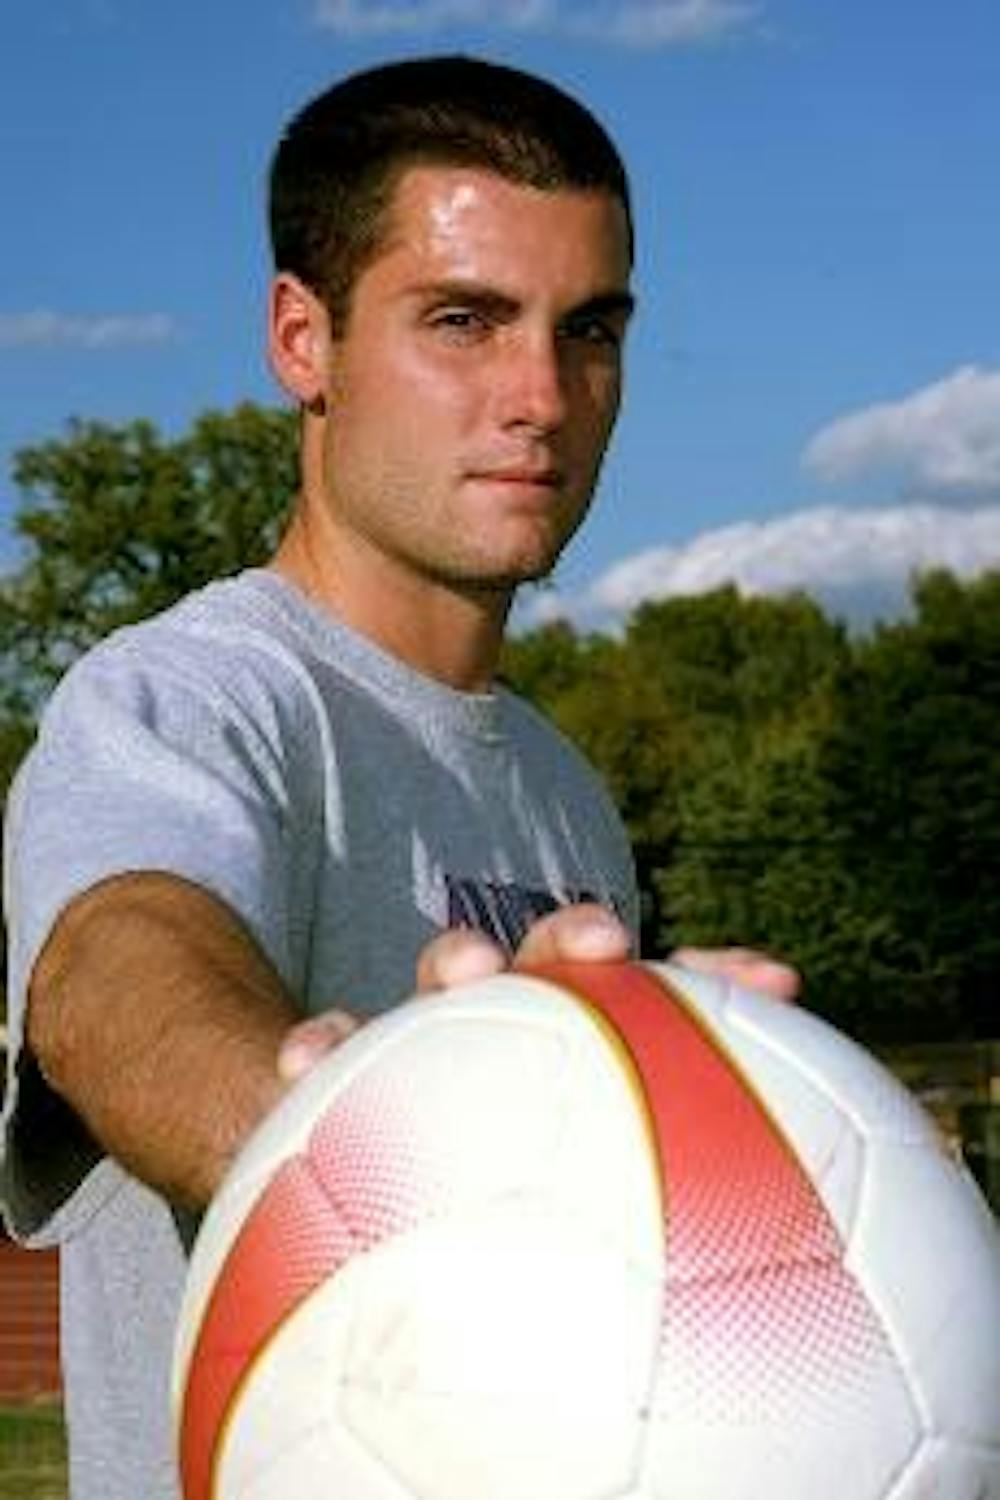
607 304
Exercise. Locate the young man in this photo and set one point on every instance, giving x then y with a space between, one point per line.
300 789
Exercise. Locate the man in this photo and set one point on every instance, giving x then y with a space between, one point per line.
301 789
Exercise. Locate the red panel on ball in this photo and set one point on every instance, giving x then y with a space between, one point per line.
289 1244
761 1315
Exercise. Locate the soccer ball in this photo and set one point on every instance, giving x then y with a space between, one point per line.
600 1232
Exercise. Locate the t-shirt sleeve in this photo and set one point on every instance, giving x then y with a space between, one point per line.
145 761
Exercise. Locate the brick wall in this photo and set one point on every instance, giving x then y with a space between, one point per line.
29 1322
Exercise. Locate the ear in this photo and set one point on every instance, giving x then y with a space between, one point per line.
298 339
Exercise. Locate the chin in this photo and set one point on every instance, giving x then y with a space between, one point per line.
527 558
537 558
515 574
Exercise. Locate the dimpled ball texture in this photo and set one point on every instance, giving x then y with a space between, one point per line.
597 1232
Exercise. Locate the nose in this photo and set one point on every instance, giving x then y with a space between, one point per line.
532 383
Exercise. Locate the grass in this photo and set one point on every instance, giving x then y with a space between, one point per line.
32 1452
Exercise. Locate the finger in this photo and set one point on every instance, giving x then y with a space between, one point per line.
459 956
743 966
586 933
310 1040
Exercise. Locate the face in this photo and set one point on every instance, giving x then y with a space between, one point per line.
472 393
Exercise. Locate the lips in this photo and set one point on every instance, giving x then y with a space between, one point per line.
520 475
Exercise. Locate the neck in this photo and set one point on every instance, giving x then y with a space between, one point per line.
452 634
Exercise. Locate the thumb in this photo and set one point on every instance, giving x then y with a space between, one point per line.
306 1043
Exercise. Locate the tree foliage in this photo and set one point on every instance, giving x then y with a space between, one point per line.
121 521
913 767
831 799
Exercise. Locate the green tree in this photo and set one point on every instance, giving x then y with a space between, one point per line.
16 697
725 657
914 775
545 664
121 521
695 685
735 678
760 860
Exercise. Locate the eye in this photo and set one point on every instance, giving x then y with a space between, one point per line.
459 324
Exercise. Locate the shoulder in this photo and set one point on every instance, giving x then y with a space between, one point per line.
226 649
217 627
211 699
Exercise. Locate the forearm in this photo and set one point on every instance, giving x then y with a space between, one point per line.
157 1018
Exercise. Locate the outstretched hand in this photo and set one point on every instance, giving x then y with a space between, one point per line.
584 933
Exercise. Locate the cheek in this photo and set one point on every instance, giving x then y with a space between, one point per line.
439 391
416 407
600 399
393 429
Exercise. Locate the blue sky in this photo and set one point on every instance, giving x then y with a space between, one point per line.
813 393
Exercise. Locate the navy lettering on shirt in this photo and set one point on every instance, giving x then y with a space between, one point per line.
503 912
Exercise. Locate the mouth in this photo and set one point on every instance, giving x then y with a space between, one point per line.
521 477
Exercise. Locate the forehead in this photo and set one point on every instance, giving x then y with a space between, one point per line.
467 222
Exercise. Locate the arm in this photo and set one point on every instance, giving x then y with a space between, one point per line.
154 1014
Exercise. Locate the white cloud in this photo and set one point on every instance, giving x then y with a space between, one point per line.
857 563
943 439
384 17
663 23
630 23
44 329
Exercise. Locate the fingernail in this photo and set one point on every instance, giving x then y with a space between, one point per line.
294 1061
600 937
339 1024
312 1041
474 960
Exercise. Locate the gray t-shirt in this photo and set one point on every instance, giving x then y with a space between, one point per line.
347 809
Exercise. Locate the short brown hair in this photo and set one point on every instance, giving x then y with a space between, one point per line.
340 159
